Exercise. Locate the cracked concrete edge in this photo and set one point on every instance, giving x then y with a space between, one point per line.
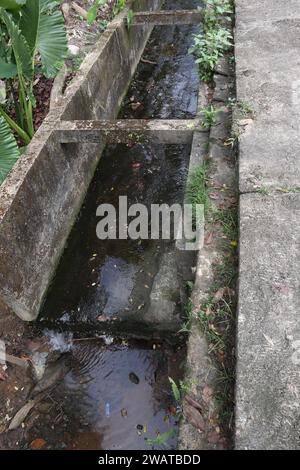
42 195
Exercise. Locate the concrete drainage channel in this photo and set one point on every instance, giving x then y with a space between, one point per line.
115 309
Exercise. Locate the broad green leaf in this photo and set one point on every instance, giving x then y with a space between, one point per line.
93 11
42 24
7 70
20 46
175 390
9 152
12 4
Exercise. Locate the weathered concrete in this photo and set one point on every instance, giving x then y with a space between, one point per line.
268 367
267 44
201 369
172 17
163 131
268 373
41 197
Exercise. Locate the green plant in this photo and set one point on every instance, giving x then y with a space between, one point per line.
120 4
214 40
175 390
37 30
162 439
210 115
188 311
263 190
179 391
12 4
93 10
217 10
197 191
129 18
9 152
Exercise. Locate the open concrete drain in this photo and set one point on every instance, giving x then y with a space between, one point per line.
115 391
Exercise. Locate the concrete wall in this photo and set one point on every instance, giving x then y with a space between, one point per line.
41 197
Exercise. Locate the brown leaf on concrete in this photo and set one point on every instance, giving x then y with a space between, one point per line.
194 417
213 437
208 238
3 374
192 402
207 394
222 292
228 203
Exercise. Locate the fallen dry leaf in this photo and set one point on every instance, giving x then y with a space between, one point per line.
222 292
135 106
3 374
102 318
207 394
38 444
21 415
194 417
213 437
192 402
208 238
136 165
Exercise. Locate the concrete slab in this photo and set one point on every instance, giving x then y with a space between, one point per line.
167 131
268 68
267 10
168 17
268 341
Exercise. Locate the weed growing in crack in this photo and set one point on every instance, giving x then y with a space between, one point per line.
197 190
188 314
215 39
210 116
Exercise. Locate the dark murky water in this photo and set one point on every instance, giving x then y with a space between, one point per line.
100 407
114 397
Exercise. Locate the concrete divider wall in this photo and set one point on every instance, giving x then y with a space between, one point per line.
41 197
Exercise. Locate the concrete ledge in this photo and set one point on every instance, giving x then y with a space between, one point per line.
41 197
172 17
268 341
167 131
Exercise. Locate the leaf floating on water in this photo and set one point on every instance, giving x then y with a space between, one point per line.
21 415
134 378
38 444
102 318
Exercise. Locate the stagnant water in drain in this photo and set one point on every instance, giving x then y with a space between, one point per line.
117 394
